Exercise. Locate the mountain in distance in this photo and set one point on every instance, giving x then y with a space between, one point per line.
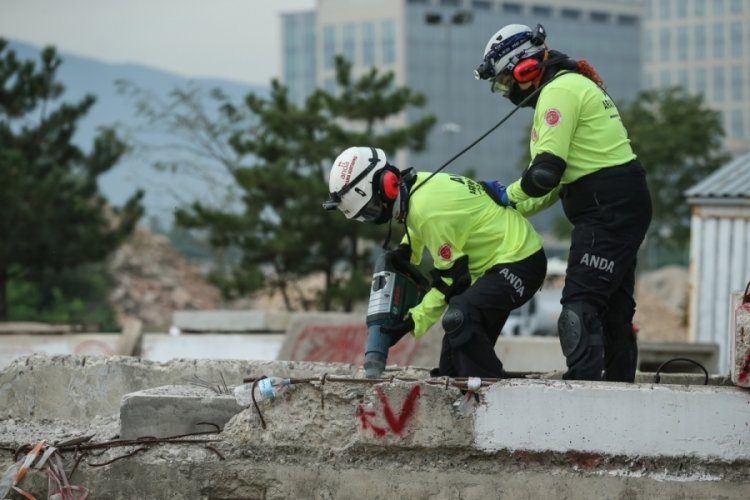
164 191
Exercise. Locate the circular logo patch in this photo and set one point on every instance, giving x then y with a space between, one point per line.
445 251
552 117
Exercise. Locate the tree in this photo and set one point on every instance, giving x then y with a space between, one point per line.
282 155
679 141
53 217
79 296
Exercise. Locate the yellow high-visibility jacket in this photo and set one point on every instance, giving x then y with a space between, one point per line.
451 216
577 121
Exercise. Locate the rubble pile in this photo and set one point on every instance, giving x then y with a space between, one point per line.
153 280
661 305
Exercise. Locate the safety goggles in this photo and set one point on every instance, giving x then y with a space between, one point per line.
373 211
502 83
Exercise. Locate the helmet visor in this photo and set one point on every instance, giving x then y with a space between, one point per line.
373 211
502 83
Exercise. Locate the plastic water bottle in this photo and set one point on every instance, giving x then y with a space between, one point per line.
469 401
267 389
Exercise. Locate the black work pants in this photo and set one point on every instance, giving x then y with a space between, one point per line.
610 211
469 350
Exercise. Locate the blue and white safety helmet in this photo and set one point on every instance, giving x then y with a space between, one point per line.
506 48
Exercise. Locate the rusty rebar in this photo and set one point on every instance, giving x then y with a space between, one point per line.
127 455
459 382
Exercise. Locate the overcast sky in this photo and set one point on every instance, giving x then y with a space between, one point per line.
228 39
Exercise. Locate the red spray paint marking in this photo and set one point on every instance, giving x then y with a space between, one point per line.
364 419
745 370
345 344
396 424
93 346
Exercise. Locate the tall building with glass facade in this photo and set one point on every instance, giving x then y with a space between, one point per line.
433 47
703 46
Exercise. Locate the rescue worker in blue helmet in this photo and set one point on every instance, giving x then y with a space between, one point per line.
581 155
488 259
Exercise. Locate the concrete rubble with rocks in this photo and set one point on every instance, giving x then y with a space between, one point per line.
328 438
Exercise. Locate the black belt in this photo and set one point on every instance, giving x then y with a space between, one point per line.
632 168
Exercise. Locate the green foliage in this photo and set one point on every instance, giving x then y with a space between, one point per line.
679 141
53 216
72 296
282 153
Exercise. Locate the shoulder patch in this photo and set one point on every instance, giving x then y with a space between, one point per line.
534 135
552 117
445 252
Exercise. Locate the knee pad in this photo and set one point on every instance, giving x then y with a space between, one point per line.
453 324
453 319
579 327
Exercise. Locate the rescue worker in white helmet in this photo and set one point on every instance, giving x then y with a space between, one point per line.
488 259
581 155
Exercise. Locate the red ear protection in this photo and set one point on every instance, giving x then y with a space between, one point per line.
389 185
526 70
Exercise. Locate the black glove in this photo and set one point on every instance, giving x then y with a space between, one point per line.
397 331
402 253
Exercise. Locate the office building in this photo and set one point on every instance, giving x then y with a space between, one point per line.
433 47
703 46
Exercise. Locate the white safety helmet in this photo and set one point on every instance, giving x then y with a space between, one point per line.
510 45
351 188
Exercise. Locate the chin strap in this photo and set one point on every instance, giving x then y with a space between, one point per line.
399 209
401 203
387 240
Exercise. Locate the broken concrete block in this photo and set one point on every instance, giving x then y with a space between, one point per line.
230 321
174 410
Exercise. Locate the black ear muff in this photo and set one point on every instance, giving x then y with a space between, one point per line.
526 70
389 185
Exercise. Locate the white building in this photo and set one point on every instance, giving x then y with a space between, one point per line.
703 46
719 252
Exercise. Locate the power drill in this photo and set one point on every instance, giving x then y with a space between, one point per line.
397 286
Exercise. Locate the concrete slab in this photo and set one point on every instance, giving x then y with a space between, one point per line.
652 354
711 423
171 472
78 388
341 337
174 410
155 346
230 321
27 327
399 439
537 416
530 354
248 346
